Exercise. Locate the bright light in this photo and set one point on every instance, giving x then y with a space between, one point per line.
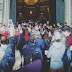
31 2
41 13
30 12
20 13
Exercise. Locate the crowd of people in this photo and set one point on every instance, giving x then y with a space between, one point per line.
22 44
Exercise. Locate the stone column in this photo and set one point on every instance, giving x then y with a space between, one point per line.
13 11
68 12
6 12
60 11
1 10
71 12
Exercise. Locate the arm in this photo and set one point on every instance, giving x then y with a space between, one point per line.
9 56
49 52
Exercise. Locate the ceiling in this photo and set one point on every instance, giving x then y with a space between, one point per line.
31 2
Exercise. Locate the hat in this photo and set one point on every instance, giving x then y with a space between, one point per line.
57 35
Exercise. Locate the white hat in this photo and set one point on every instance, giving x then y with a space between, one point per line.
57 35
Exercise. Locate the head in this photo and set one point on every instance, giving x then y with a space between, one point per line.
32 38
33 31
56 29
17 30
57 36
58 24
45 35
37 33
19 26
40 36
67 32
25 27
4 40
4 27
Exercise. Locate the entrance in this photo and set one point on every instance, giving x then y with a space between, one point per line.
32 10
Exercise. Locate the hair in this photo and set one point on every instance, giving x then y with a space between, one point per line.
68 30
32 38
4 40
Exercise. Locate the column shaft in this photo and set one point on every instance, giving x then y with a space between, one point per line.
1 10
13 11
68 12
6 11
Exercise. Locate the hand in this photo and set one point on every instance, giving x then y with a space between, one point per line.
46 52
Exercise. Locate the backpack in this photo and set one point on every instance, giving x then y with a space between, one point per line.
67 56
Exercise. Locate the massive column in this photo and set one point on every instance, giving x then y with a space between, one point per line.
71 12
52 12
1 10
60 11
6 11
13 11
68 12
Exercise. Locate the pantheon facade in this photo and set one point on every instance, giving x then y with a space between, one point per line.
7 11
62 8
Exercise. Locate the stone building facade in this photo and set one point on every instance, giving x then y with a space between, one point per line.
63 11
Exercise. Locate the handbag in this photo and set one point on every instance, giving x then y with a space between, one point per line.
17 43
65 57
17 60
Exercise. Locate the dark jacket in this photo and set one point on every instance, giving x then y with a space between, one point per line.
47 44
40 43
21 40
31 50
9 57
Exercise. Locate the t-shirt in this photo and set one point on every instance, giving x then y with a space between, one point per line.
4 32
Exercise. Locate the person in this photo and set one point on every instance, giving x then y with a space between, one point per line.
39 41
46 41
69 51
3 46
4 31
26 36
31 51
8 60
55 53
19 41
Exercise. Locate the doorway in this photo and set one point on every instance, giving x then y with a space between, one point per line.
32 9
